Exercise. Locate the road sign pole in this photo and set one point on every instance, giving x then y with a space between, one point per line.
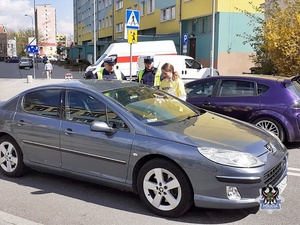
34 66
130 67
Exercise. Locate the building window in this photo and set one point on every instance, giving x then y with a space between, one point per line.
119 4
110 20
106 22
142 8
151 6
168 14
202 26
119 28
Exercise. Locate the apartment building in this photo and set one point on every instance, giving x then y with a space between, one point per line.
46 24
172 20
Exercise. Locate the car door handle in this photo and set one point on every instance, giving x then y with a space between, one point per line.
69 131
21 123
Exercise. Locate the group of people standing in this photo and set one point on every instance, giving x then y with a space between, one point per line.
165 79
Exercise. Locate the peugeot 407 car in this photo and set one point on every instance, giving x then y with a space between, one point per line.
269 102
136 138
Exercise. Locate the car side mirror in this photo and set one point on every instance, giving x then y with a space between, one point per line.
99 126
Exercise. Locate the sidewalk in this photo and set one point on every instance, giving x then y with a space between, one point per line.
11 87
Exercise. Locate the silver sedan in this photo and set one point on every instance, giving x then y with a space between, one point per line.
133 137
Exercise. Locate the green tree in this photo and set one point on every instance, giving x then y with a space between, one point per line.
282 37
275 37
22 36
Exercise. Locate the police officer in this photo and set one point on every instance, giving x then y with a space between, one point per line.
108 72
150 75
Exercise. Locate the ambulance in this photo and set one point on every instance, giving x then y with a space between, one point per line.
126 54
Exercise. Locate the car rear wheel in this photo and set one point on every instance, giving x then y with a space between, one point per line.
11 157
272 126
164 188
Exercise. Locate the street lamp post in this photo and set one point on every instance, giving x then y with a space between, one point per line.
212 58
30 43
31 24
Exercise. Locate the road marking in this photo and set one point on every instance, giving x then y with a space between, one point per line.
293 170
296 169
6 218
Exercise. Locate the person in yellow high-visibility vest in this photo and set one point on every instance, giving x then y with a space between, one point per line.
108 72
150 75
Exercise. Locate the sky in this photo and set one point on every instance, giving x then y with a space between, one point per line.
12 14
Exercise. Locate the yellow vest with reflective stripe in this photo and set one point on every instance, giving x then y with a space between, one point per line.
156 78
116 72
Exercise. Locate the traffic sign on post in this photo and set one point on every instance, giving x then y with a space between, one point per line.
132 19
184 43
32 49
132 36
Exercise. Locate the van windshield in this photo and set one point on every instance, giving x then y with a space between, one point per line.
100 59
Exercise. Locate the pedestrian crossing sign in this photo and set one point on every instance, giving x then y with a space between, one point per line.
132 19
132 36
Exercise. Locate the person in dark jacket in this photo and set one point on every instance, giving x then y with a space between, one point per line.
151 75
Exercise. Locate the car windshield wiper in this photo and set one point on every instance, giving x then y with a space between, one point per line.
188 117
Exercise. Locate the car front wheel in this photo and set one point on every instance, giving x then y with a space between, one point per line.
11 157
164 188
271 125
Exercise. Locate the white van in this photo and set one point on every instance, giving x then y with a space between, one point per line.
122 52
187 67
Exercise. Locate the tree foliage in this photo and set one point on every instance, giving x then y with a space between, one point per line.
282 37
275 37
21 36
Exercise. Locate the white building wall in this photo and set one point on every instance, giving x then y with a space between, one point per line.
11 47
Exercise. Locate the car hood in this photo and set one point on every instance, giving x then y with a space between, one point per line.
212 130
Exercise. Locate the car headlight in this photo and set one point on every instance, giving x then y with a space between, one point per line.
230 158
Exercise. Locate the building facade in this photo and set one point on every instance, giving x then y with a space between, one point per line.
169 20
3 43
46 24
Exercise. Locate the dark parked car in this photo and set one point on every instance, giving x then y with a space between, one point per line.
270 102
137 138
13 60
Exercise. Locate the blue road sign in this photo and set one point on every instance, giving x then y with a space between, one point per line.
32 49
132 19
185 39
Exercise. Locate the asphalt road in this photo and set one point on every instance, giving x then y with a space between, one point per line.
11 70
41 198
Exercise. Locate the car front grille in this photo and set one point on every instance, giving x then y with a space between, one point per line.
274 174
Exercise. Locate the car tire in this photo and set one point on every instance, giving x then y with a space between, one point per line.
11 157
153 186
271 125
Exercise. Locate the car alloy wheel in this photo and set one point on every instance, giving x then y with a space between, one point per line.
164 188
11 157
271 125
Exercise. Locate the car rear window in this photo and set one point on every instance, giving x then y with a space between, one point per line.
294 87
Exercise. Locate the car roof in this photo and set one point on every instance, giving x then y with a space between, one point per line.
93 84
253 77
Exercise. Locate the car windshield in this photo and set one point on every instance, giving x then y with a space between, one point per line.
152 106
